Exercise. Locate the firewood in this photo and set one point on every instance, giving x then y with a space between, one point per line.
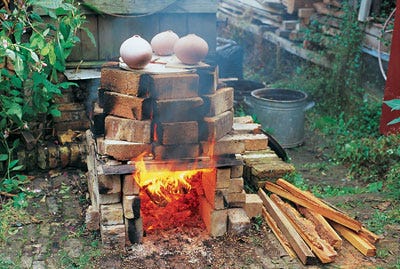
369 236
323 228
322 249
357 241
297 196
278 233
296 242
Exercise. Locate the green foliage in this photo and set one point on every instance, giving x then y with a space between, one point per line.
33 50
336 87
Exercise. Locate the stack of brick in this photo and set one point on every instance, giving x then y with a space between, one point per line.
73 113
175 116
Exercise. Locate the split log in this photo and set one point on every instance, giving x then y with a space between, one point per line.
369 236
301 198
322 249
357 241
278 233
297 243
323 228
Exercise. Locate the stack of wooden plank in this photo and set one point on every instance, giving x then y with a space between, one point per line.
290 18
308 227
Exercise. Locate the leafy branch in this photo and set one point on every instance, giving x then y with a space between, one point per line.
36 37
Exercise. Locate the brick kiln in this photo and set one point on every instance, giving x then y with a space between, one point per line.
148 127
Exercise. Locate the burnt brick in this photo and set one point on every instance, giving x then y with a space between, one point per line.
173 86
175 110
126 106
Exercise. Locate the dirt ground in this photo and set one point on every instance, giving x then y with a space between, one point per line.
54 235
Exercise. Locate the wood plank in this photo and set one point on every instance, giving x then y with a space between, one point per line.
357 241
110 39
297 243
85 49
323 228
325 211
306 229
321 8
370 236
156 6
278 233
200 24
293 6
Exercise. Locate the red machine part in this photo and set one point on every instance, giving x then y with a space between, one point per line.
392 89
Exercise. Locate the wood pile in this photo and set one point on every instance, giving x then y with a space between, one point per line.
309 228
289 18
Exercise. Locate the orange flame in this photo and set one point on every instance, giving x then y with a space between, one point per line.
169 196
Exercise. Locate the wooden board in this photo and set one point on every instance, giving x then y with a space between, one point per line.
299 246
156 6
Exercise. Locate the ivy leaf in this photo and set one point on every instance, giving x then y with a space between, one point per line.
394 104
16 110
394 121
55 112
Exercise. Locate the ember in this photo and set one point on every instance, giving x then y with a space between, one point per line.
169 198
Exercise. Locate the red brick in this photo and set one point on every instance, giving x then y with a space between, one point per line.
219 102
175 110
214 128
178 133
71 107
225 145
214 197
214 220
127 130
122 150
126 106
238 221
121 81
173 86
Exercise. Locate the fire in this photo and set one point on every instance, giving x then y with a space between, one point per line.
169 196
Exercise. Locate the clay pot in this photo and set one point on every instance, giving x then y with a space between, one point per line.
191 49
163 43
136 52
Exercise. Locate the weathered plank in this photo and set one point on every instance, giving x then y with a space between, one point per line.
300 199
299 246
156 6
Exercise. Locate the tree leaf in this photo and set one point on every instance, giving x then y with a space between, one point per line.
19 66
34 56
3 157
